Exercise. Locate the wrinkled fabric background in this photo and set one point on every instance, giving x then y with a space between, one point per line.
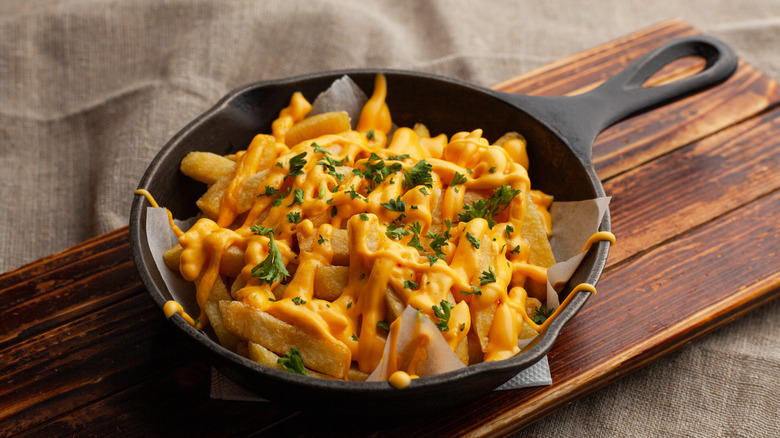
90 90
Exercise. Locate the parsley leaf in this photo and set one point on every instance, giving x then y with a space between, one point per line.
370 134
330 166
376 171
442 311
474 290
297 197
541 314
409 284
419 175
271 270
292 362
437 242
298 301
296 165
459 178
294 217
487 276
474 241
321 240
363 216
319 149
383 325
261 231
488 208
395 232
395 204
269 191
414 242
398 157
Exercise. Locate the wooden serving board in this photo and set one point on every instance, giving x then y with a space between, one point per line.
83 350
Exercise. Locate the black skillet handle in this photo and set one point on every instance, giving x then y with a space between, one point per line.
581 118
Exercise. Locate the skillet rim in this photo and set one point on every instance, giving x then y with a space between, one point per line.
507 367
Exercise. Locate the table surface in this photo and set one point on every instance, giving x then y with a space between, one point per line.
84 350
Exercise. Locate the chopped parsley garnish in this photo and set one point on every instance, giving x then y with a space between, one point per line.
363 216
442 311
294 217
395 204
354 338
292 362
398 157
541 314
458 179
488 208
298 301
376 171
321 240
382 324
474 241
370 134
353 194
474 291
296 165
492 169
297 197
319 149
423 190
269 191
395 232
419 175
487 276
271 270
409 284
330 167
322 191
437 242
414 242
516 250
334 211
509 230
261 231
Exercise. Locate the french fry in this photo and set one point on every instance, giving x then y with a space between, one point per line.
227 339
247 190
172 257
264 356
207 167
339 241
394 305
232 262
534 232
219 292
211 201
315 126
330 281
328 357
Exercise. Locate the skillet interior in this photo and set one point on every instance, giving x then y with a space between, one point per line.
445 106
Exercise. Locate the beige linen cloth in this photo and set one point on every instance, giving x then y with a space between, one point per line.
90 91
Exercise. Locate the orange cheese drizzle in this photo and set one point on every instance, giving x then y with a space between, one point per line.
377 262
178 232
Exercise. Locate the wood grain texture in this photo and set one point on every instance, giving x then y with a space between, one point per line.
84 351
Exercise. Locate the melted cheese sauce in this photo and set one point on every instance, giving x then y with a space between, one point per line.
335 182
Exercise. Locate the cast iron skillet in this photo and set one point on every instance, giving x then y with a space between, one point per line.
560 133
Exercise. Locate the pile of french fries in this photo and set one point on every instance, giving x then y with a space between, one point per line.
313 241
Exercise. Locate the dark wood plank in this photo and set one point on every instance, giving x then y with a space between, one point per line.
679 191
42 295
